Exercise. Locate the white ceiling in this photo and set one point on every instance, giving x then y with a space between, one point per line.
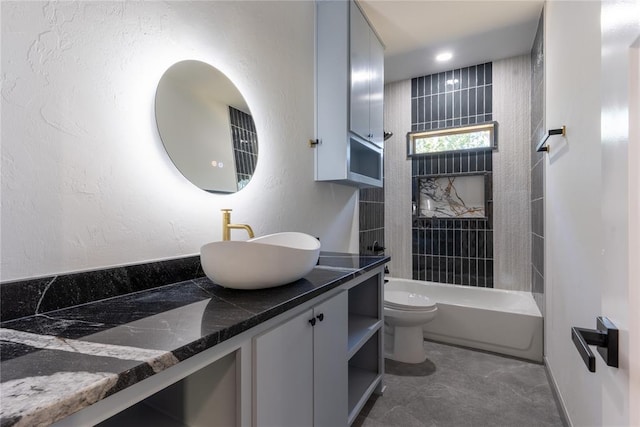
475 31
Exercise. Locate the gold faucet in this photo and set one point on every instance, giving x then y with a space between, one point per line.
227 226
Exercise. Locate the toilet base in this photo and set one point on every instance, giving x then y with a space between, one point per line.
408 345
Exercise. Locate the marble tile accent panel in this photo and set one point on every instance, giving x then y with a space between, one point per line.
452 196
35 296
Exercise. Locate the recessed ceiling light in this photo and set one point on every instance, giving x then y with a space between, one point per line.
444 56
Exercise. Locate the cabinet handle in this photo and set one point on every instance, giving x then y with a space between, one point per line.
320 317
312 321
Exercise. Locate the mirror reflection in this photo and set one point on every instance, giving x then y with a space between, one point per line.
206 127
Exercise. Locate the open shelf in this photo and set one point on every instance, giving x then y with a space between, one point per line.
365 339
362 382
141 414
361 328
208 397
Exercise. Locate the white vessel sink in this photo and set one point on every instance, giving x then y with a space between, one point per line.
262 262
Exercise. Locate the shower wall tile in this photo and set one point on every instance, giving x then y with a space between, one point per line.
538 282
457 251
537 217
512 174
537 134
537 253
245 145
537 181
537 166
397 173
371 207
452 98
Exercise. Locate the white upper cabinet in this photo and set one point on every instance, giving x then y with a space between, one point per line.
367 79
350 88
376 90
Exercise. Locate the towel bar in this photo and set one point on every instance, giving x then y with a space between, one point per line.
605 337
541 147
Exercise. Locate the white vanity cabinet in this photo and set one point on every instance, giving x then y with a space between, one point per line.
350 90
300 375
320 367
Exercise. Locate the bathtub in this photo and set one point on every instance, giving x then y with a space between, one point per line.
505 322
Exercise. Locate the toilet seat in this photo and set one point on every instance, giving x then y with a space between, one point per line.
407 301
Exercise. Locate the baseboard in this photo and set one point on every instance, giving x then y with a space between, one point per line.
564 415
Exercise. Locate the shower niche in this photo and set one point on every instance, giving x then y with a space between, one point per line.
455 196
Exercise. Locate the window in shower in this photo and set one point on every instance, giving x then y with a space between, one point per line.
463 138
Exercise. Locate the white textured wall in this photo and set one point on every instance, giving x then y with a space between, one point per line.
573 200
85 180
511 174
397 179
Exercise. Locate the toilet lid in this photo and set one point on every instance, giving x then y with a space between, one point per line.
407 300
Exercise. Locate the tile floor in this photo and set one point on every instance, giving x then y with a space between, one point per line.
462 387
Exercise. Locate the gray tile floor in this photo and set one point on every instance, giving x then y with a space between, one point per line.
462 387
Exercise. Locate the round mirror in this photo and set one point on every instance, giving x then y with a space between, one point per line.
206 127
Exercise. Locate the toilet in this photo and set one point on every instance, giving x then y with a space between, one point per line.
405 313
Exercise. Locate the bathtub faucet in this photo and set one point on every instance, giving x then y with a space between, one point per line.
375 248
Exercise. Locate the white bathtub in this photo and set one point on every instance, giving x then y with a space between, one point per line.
506 322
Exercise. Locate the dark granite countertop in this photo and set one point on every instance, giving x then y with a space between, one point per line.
58 362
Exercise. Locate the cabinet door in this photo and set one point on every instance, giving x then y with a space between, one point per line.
330 362
284 374
360 69
376 89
